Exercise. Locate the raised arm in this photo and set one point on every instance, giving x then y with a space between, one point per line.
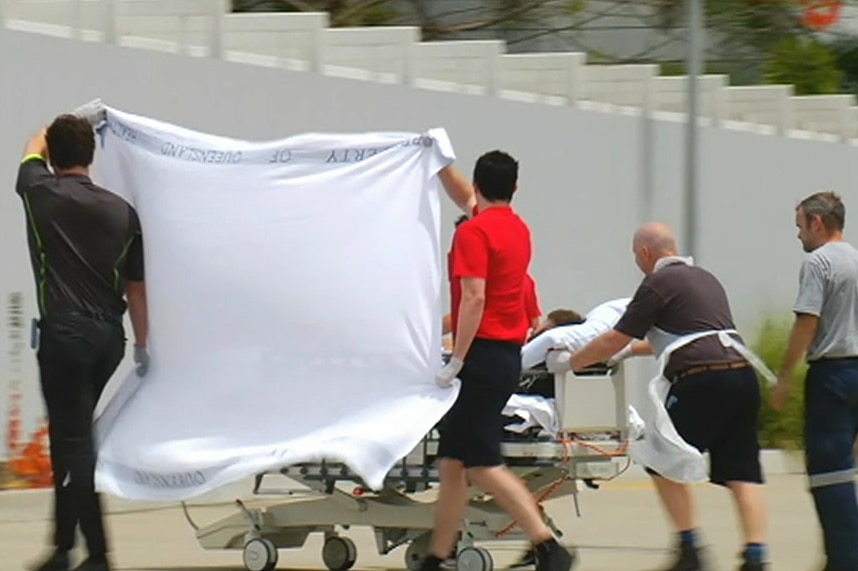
37 146
460 191
34 164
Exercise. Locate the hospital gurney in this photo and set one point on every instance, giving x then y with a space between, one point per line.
591 447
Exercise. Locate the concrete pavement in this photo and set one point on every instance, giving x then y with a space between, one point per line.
621 528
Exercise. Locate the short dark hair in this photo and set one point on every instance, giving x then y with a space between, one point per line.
461 220
565 317
829 208
71 142
496 176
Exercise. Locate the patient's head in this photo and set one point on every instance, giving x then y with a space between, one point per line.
651 243
558 318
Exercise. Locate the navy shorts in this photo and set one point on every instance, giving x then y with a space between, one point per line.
717 412
472 430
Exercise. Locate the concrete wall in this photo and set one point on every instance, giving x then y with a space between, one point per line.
580 176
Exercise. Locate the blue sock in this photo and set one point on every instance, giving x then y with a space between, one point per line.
755 553
688 538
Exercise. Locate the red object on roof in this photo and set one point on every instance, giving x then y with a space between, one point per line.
817 15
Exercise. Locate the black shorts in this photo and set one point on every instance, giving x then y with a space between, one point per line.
718 411
473 428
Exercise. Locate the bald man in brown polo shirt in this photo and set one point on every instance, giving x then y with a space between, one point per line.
714 399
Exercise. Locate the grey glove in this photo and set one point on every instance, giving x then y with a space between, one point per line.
621 355
94 112
141 359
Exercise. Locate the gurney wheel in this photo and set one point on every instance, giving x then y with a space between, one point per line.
260 555
339 553
474 559
416 551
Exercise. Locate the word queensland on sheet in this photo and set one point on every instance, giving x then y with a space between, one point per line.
294 304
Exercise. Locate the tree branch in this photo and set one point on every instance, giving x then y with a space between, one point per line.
504 17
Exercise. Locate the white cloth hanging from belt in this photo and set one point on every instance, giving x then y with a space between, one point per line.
655 443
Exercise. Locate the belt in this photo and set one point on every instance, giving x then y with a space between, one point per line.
697 369
833 359
85 313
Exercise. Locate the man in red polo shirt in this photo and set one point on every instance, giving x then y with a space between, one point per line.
489 289
531 306
462 193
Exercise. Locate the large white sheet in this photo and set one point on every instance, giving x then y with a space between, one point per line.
294 298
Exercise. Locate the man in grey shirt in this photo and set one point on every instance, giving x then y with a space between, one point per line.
826 330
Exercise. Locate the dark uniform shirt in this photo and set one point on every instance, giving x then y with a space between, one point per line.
84 241
682 299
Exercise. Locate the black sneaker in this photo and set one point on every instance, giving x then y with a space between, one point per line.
58 561
753 566
551 556
91 564
687 559
527 559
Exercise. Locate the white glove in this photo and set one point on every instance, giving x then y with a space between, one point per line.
557 361
94 112
621 355
141 359
445 376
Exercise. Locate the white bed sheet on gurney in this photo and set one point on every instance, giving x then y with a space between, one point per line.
534 411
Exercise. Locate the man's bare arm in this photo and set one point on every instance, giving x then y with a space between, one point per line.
801 336
458 189
138 311
470 314
37 145
641 348
446 324
599 350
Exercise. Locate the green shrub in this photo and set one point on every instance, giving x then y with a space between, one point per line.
780 429
846 51
805 63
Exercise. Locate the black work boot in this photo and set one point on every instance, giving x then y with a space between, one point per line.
57 561
551 556
687 559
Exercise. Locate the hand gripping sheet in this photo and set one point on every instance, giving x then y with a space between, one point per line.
294 301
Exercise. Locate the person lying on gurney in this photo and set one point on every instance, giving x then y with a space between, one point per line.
552 337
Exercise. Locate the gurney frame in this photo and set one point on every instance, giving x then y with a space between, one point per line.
550 467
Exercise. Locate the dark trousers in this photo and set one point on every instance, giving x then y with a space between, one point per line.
831 427
77 355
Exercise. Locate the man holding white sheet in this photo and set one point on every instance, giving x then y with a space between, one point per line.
488 280
714 397
87 256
